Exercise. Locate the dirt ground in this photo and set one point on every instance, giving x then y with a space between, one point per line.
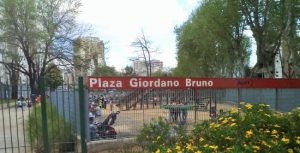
130 121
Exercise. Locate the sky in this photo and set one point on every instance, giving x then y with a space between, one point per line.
119 22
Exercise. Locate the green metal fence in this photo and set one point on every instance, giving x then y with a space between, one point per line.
42 123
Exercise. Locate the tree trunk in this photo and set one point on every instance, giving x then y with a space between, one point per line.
14 79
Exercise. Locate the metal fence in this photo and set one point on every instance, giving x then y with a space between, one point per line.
141 106
67 109
49 122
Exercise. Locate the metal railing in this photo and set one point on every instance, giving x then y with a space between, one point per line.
40 123
141 106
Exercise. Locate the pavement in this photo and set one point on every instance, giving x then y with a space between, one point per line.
12 130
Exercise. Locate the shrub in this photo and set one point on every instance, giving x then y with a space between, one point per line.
251 128
61 137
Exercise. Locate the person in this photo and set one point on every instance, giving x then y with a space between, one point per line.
28 103
183 115
92 126
98 111
110 104
19 104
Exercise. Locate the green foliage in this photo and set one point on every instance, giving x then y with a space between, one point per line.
251 128
129 71
211 43
160 133
61 137
105 71
54 76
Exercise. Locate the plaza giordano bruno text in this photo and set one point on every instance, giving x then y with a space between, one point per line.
146 83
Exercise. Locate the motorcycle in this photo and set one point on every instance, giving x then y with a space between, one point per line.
104 129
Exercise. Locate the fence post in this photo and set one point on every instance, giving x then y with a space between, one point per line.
276 100
82 116
44 114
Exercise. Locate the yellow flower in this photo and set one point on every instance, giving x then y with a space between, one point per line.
224 121
157 151
290 150
242 103
198 151
234 110
297 137
248 106
221 118
256 147
298 141
229 148
158 138
214 125
206 145
169 150
267 131
178 147
277 126
201 139
285 140
214 147
268 115
189 146
274 132
233 124
265 143
249 133
228 138
275 136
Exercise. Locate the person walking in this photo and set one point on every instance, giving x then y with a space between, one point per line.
19 104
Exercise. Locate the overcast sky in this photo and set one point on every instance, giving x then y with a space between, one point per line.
121 21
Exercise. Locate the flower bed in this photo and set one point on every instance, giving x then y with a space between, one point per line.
250 128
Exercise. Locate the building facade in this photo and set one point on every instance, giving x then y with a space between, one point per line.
140 68
88 55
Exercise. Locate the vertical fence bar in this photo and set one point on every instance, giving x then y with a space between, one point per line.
9 116
2 91
44 115
276 100
82 116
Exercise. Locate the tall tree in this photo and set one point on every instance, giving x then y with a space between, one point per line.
42 30
264 17
144 46
290 40
212 41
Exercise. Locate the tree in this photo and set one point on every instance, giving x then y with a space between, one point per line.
105 71
54 76
290 40
212 42
129 71
144 45
42 30
264 17
10 54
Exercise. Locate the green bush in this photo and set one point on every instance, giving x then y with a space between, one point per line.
61 137
251 128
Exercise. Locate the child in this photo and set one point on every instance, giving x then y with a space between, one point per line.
19 104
